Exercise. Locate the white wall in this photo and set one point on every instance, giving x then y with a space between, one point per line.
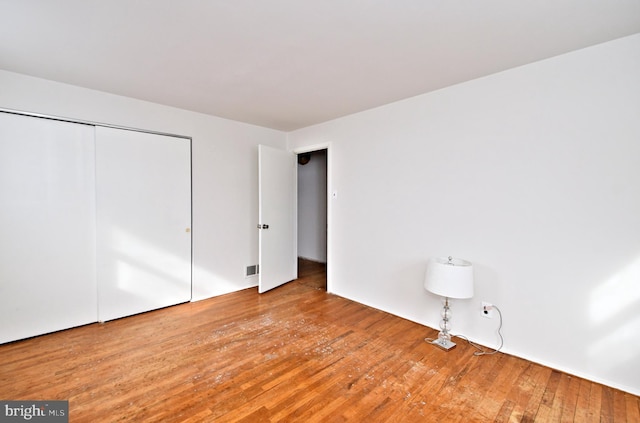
532 174
225 176
312 208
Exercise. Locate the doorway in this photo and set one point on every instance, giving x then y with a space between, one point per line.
313 217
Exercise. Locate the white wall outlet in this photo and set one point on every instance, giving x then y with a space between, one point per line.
487 310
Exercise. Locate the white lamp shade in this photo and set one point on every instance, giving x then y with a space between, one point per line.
451 278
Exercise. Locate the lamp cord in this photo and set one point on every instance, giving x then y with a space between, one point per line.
481 351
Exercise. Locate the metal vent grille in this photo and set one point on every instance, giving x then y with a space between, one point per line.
252 270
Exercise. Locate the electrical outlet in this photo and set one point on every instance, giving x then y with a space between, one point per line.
487 310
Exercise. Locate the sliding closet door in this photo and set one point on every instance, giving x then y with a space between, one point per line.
143 187
47 226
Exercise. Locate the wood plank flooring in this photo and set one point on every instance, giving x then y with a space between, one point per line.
294 354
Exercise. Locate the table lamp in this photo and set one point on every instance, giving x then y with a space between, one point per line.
448 278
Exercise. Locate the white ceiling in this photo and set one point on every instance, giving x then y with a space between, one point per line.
287 64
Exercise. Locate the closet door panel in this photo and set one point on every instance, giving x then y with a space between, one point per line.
143 187
47 226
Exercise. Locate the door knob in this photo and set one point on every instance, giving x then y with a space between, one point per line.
263 226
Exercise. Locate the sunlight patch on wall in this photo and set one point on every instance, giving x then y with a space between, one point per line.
142 266
618 293
615 346
618 347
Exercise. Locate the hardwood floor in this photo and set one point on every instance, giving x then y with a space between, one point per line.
293 354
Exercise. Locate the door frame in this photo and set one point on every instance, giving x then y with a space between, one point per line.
330 197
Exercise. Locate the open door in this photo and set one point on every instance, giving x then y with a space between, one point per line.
277 252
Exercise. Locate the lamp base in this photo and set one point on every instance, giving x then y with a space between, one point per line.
445 344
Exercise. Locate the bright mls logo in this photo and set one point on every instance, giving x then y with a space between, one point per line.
34 411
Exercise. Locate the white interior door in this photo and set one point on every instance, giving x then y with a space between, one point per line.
47 226
143 187
277 218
